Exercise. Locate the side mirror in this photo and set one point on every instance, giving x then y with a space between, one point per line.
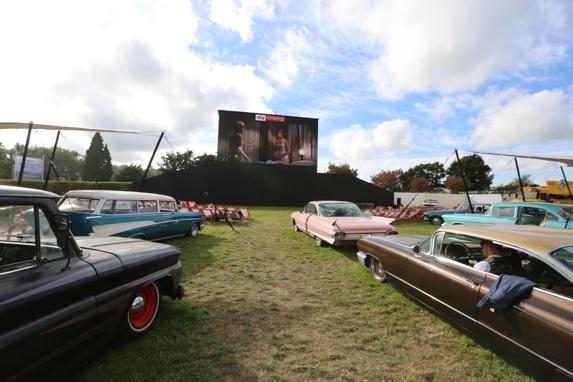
416 249
62 230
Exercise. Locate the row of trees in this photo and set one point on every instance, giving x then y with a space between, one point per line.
429 176
434 176
96 164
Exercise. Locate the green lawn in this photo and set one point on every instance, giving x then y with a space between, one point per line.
266 304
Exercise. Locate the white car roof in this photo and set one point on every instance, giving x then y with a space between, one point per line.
113 194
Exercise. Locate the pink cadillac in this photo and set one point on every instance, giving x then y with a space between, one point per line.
336 222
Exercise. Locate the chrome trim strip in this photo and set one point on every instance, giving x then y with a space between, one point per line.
568 373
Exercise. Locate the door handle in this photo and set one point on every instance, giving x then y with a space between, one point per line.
474 283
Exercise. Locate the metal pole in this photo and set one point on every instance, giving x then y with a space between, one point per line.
520 182
51 162
25 154
567 183
464 179
151 160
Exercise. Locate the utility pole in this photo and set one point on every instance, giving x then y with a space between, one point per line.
151 161
25 154
464 179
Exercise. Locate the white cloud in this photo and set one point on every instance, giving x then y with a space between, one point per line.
451 46
116 64
513 117
286 57
358 143
441 108
238 15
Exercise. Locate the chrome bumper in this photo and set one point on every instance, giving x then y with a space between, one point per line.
361 256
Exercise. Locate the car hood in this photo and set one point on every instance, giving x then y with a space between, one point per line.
126 252
354 223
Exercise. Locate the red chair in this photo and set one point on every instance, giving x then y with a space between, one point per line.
207 214
183 206
245 213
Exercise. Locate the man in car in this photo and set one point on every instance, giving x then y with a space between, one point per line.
493 261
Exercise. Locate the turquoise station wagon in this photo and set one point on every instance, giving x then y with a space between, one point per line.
522 213
127 214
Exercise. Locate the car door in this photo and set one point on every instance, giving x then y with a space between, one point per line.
538 330
503 214
47 305
450 283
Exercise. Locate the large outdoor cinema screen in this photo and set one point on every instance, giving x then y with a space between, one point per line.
267 138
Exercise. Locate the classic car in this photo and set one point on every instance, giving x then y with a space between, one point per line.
128 214
62 299
523 213
437 216
438 272
336 222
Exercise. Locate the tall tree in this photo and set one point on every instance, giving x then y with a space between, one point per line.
204 159
5 163
387 179
433 172
420 184
344 169
97 165
129 173
478 174
176 161
107 168
455 184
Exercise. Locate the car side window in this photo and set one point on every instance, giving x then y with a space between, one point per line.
531 215
17 238
310 209
542 274
49 249
166 206
464 249
438 239
146 206
119 207
503 212
551 217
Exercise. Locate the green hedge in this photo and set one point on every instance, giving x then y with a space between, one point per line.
61 187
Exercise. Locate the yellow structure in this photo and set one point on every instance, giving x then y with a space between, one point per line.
555 191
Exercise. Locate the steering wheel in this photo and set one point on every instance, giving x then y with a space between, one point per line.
452 250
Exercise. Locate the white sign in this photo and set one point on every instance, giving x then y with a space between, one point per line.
34 169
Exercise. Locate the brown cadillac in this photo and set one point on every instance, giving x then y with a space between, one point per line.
335 222
448 274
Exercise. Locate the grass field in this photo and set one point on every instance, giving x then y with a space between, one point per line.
266 304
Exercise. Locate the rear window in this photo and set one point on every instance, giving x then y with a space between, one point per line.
166 206
78 204
502 212
119 207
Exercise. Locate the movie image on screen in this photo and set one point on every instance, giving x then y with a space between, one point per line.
267 138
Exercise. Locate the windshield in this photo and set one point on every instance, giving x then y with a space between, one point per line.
564 256
339 209
78 204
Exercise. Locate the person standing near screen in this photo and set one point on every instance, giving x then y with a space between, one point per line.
236 153
282 148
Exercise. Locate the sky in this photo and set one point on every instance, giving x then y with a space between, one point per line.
393 83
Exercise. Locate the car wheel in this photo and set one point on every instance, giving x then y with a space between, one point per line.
141 312
319 242
437 220
194 230
295 226
377 270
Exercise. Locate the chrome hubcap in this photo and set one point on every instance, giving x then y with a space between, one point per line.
137 304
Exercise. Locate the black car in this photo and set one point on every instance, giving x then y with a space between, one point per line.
63 299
